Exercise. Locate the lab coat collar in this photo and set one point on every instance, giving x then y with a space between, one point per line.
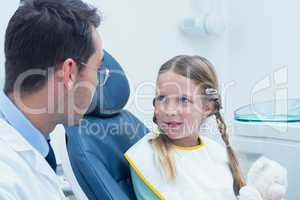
13 138
26 151
22 124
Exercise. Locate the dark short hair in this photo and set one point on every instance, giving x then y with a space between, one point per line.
42 34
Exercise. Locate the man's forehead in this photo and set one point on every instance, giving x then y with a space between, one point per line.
98 43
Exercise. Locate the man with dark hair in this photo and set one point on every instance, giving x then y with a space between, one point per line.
52 54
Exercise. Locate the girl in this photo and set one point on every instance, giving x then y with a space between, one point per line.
176 162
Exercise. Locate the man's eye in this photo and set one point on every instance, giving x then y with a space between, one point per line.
184 100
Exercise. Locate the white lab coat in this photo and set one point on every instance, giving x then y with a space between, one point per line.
24 173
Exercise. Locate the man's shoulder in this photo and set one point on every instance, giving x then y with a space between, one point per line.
7 154
10 164
10 161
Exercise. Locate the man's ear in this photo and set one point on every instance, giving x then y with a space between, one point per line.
69 70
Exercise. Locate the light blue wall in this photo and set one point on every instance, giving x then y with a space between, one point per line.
261 37
144 34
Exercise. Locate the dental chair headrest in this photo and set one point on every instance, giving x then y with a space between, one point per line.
110 99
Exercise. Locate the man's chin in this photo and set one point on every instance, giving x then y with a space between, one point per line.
74 120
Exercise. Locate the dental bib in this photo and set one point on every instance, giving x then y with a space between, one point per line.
202 171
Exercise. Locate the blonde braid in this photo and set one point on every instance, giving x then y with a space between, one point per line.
238 179
163 157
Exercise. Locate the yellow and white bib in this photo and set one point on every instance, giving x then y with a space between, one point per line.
202 171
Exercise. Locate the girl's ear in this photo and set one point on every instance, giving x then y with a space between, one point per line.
209 108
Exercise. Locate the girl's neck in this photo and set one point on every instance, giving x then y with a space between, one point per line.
189 141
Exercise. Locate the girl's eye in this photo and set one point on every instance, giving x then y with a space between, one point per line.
184 100
161 98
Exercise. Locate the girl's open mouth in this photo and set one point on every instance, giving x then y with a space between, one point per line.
173 124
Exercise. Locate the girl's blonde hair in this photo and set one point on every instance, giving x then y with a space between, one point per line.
200 70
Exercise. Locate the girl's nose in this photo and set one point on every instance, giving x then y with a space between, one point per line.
171 109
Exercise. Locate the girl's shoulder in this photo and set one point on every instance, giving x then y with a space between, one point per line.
212 143
215 148
143 145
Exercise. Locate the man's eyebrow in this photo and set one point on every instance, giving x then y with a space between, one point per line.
101 61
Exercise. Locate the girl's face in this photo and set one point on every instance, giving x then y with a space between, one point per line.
178 106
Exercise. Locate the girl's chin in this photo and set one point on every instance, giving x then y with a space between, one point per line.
174 134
